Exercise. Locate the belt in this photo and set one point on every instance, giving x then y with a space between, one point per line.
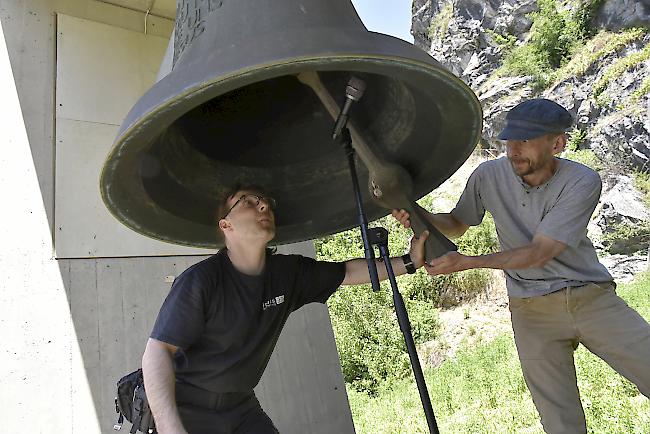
189 394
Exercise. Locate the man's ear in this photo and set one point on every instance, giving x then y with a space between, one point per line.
224 224
560 144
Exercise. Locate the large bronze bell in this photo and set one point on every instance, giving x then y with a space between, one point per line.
233 110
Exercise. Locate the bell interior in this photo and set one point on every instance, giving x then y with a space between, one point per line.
277 133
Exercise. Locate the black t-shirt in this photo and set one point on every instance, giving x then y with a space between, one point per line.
227 323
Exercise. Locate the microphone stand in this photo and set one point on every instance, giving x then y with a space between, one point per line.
346 141
379 237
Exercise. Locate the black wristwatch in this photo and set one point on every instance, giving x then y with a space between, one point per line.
408 263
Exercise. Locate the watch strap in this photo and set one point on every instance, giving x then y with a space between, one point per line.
408 263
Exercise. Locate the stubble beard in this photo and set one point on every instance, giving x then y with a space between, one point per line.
526 170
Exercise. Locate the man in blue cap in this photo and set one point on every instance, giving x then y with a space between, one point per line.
560 295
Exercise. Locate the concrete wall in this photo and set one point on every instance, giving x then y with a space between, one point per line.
71 327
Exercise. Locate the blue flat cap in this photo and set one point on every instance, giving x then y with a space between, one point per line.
534 118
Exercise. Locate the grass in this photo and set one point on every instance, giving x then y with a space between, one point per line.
618 68
576 59
577 138
440 22
642 90
600 46
371 347
584 156
627 238
642 183
482 391
554 35
573 150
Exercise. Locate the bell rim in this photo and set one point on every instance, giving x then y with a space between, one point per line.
268 67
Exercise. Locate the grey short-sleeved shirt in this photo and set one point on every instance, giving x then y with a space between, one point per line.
559 209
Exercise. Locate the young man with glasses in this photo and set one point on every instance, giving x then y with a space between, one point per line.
560 295
221 320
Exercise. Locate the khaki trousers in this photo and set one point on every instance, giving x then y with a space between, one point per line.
549 328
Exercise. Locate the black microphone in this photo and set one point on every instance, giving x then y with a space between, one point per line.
353 92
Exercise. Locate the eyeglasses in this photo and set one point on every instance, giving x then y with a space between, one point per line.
252 201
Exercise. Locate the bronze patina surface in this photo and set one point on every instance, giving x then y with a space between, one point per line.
232 110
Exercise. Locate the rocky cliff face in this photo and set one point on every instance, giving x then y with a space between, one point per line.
457 33
604 81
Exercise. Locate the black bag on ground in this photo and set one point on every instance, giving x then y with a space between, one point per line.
131 404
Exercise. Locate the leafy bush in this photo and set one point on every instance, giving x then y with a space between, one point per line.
526 60
553 36
370 343
600 46
642 183
507 42
556 33
482 390
576 139
440 22
454 288
641 91
626 238
618 68
585 13
584 156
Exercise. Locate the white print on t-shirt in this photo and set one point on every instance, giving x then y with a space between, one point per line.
273 302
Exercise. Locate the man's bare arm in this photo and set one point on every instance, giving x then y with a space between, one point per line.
356 270
535 254
159 382
446 223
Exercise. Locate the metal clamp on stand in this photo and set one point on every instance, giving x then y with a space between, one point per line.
379 237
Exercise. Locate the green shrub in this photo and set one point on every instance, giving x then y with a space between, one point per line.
370 343
627 238
556 34
452 289
479 240
455 288
526 60
617 69
585 13
576 139
642 183
600 46
584 156
641 91
482 390
440 22
507 42
553 33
